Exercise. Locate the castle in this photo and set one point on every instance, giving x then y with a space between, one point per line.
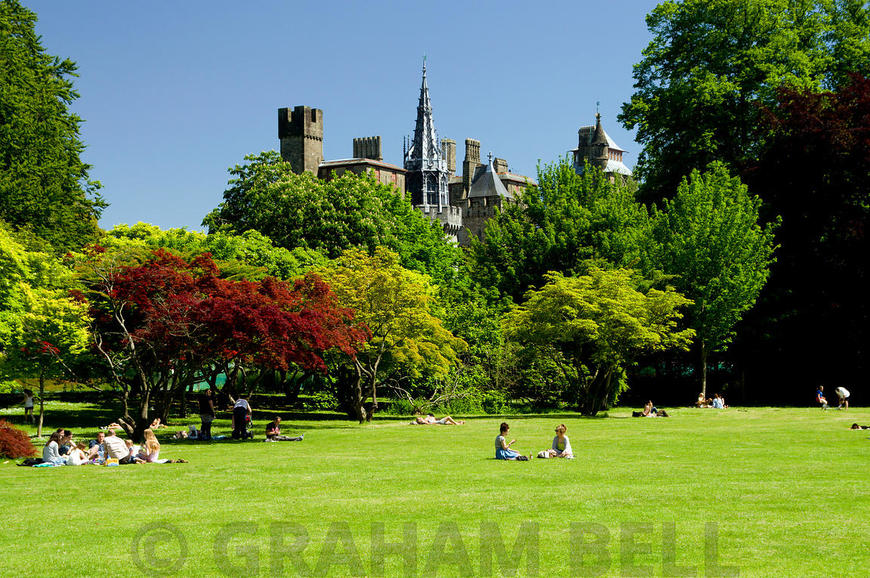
461 204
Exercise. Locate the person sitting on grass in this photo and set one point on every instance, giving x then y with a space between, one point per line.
820 397
150 451
273 432
77 455
66 443
718 401
97 450
703 401
116 448
50 453
430 420
503 449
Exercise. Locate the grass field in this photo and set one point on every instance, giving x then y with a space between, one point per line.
768 492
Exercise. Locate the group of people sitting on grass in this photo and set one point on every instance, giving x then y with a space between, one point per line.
561 447
106 449
716 402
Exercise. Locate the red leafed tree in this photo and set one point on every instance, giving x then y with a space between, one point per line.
14 443
166 323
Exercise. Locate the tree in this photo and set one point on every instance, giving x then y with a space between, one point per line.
44 184
42 329
396 305
593 326
816 174
560 224
713 64
349 211
709 237
165 323
249 255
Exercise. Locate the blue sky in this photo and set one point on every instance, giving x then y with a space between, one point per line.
174 93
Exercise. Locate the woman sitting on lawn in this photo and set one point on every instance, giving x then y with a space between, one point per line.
150 451
561 445
503 449
50 453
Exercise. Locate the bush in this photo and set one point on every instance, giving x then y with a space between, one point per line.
320 401
14 443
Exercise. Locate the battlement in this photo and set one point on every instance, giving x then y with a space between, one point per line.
368 147
449 216
301 134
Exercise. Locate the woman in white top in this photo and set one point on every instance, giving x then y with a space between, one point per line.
77 455
843 395
51 453
28 405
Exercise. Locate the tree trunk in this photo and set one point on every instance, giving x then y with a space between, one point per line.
41 402
703 369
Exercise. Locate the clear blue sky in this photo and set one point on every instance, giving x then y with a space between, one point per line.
174 93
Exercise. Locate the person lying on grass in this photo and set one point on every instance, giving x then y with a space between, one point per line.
430 420
856 426
503 449
273 432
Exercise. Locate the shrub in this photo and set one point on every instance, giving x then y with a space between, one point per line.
14 443
320 401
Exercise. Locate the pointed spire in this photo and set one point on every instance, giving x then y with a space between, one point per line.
424 155
599 137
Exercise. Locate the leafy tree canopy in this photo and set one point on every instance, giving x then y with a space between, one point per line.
350 211
709 237
593 326
396 305
711 63
560 224
44 184
249 255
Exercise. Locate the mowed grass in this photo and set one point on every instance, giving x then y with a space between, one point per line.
776 492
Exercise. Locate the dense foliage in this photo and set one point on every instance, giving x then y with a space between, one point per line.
44 185
709 239
561 224
395 303
711 65
14 443
167 323
593 326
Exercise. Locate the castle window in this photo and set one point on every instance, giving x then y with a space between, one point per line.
313 115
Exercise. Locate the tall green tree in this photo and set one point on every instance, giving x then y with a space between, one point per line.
593 326
712 64
561 224
710 239
44 184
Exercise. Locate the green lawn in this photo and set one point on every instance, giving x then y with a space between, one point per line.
779 492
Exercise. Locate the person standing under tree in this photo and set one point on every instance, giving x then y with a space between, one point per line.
28 406
206 413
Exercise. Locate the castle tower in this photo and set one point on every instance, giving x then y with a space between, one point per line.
471 162
301 134
427 175
448 151
596 147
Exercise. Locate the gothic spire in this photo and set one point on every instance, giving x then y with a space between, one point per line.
423 157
